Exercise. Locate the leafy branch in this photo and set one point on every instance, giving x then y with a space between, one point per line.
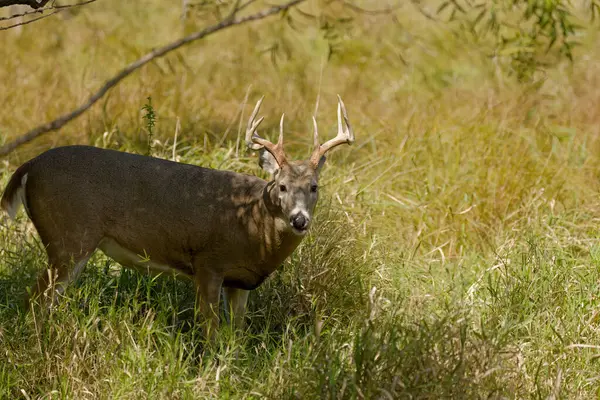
31 3
528 33
229 21
53 9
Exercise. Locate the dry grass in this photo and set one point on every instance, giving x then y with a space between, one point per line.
455 252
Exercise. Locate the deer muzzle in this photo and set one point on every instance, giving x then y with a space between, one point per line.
300 222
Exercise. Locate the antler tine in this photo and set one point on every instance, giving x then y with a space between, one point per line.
315 133
253 125
344 135
255 142
349 130
280 140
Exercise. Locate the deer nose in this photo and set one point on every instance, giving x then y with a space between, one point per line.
299 221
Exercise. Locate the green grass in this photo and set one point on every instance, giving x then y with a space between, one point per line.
455 248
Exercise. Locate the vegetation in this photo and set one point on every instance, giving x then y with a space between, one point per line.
455 252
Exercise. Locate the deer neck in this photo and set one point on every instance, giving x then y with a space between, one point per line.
279 240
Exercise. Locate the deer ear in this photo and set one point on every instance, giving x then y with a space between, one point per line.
321 162
267 161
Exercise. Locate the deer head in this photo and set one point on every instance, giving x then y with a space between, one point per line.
294 189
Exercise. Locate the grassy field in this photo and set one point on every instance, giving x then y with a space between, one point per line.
455 249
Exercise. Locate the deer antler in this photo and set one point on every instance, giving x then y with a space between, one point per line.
255 142
345 135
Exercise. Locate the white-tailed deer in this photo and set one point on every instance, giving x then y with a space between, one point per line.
221 229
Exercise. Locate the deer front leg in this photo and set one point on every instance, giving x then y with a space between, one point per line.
208 291
235 300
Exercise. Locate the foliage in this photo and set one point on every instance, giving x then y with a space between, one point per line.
150 118
529 33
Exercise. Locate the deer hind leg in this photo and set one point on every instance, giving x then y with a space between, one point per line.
235 301
64 267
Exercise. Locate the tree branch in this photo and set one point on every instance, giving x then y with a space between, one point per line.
4 28
64 119
55 8
30 3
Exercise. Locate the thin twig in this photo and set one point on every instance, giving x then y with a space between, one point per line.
426 14
4 28
246 4
30 3
356 8
64 119
41 10
235 9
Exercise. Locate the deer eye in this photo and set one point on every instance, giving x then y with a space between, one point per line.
282 188
313 188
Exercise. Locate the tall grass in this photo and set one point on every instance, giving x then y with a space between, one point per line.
454 251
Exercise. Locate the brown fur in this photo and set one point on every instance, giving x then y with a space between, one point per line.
218 228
